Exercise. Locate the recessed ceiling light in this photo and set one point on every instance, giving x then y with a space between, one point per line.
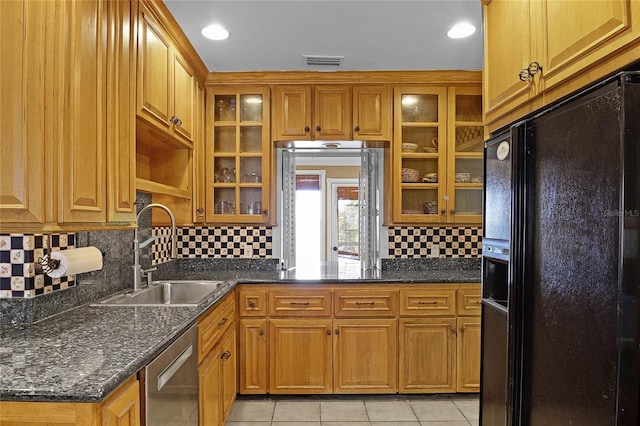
461 30
215 32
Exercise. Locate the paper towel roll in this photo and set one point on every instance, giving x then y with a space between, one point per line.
76 261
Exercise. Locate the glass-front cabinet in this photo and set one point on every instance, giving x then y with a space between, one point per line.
437 151
465 150
238 154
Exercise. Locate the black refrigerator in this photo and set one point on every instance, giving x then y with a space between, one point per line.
561 263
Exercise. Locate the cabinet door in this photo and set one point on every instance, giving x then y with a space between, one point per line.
371 113
184 86
595 31
24 140
253 356
83 146
365 356
332 113
300 356
123 409
210 384
199 156
420 152
428 355
508 48
465 168
238 156
468 354
229 358
292 115
121 132
154 71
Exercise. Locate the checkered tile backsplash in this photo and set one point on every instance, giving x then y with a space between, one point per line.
216 242
416 242
18 256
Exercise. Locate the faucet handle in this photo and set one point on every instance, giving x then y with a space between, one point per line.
148 274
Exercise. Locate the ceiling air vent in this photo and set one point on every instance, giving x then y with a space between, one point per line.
323 61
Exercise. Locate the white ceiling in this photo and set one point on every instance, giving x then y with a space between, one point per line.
270 35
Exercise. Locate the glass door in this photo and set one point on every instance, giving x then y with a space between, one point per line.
466 139
237 156
420 149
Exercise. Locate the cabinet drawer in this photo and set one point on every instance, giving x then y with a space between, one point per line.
297 303
213 324
469 301
252 303
427 302
365 303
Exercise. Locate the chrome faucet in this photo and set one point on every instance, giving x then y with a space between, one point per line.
137 269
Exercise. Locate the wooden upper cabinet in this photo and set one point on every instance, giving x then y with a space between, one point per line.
82 159
508 48
575 44
312 112
166 82
24 138
371 113
332 113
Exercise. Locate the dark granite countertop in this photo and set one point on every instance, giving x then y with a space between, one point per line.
83 354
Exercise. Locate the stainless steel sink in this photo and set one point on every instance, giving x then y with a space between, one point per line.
165 293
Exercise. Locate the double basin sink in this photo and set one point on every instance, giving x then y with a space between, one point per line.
165 293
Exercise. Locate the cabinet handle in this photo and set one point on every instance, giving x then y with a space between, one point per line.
461 329
431 302
261 332
252 304
178 122
443 211
529 71
365 303
452 211
318 129
356 129
453 330
328 332
306 129
225 355
337 332
224 321
173 119
200 210
299 303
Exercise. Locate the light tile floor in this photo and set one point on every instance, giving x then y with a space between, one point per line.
437 410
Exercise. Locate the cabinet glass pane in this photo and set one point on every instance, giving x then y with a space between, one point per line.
225 108
469 170
251 108
251 139
224 169
469 108
425 137
420 201
224 200
469 139
468 201
251 170
419 108
224 139
425 167
250 201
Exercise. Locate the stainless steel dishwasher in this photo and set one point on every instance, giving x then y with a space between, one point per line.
171 384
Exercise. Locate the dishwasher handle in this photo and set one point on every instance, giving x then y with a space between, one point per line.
175 365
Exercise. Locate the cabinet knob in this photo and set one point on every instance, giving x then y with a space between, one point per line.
306 129
337 332
318 129
328 332
452 211
356 129
261 332
225 355
453 330
200 210
461 329
443 211
252 304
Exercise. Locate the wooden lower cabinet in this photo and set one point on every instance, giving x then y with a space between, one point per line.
253 365
427 355
468 354
210 389
365 356
229 367
121 408
300 356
